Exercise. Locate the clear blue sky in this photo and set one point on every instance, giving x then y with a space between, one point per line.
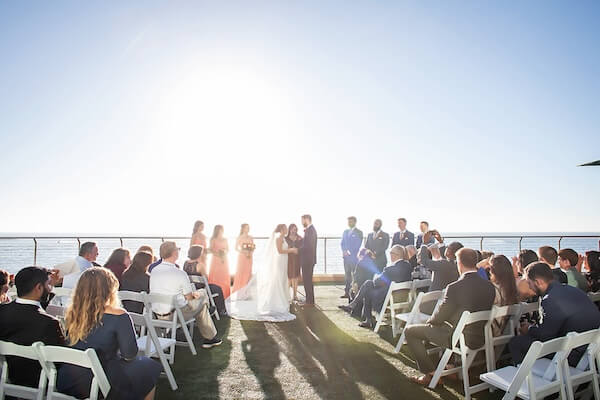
140 117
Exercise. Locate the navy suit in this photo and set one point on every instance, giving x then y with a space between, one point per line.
403 240
372 293
378 245
566 309
308 259
351 242
420 240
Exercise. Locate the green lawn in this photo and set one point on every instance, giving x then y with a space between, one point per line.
323 354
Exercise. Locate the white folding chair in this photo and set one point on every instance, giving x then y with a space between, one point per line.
521 382
594 296
586 370
496 344
211 295
177 320
418 284
10 389
50 355
466 354
528 308
394 305
415 316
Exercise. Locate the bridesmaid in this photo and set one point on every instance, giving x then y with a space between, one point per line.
245 246
219 267
294 241
199 238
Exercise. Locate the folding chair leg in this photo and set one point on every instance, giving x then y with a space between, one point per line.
188 337
440 368
400 342
465 373
380 317
166 368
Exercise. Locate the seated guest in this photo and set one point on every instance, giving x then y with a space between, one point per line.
88 252
378 242
118 262
548 255
167 279
501 276
195 266
411 253
25 322
365 269
524 258
136 279
484 263
147 249
566 309
94 320
568 259
352 239
468 293
403 237
424 227
592 266
373 292
4 286
444 270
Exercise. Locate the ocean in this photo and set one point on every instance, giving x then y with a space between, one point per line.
18 253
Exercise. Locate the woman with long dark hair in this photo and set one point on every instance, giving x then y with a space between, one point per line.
118 262
219 266
294 241
502 276
137 279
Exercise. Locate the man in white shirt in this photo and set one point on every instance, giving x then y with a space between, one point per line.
169 280
86 259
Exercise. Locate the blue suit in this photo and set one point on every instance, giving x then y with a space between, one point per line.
351 242
403 240
420 240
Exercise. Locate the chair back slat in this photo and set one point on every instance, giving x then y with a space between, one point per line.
128 295
468 318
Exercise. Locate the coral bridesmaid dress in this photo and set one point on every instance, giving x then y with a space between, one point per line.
219 269
201 240
244 270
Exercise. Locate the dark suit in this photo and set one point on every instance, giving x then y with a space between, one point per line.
403 240
420 241
444 272
378 245
372 293
308 259
566 309
351 242
26 324
469 293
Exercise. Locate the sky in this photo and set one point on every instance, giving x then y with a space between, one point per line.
139 117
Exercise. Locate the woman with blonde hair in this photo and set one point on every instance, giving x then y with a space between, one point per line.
95 320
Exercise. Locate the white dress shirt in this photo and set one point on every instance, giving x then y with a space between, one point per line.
169 280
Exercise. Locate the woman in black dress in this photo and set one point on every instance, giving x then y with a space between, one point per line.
137 279
294 241
94 320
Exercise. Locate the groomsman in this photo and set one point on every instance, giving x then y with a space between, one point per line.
308 258
403 237
351 241
378 242
424 226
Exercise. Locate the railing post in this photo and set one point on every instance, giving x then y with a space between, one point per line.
559 240
481 244
520 240
34 251
78 244
121 240
325 255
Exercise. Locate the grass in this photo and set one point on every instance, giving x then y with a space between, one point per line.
323 354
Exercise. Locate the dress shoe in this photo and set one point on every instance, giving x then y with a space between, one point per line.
344 296
366 324
348 309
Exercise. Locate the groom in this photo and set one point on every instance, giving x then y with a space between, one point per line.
308 258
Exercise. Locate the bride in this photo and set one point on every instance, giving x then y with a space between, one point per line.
266 297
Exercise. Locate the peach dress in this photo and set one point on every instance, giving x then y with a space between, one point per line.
244 269
219 268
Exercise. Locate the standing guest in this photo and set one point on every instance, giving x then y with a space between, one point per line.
424 227
25 322
523 259
501 276
352 239
195 266
245 246
199 238
372 293
403 237
378 242
294 241
88 253
592 266
566 309
568 259
468 293
4 286
365 270
118 262
169 280
136 279
219 266
308 258
549 255
94 320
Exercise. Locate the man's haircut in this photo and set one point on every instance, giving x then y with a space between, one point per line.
549 254
527 257
569 254
455 246
425 222
195 251
539 270
352 218
402 219
308 217
87 248
27 279
467 257
167 249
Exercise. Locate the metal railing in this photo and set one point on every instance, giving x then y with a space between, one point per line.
559 238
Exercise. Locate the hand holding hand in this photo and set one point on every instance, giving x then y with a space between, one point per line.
524 328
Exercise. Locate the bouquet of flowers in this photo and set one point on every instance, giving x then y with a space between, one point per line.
248 248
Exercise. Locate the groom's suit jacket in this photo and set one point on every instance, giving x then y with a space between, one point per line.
308 251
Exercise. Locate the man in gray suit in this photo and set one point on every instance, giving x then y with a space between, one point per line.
378 242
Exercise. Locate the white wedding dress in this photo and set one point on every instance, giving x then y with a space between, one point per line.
266 297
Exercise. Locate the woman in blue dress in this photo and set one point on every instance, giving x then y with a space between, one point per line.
94 320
